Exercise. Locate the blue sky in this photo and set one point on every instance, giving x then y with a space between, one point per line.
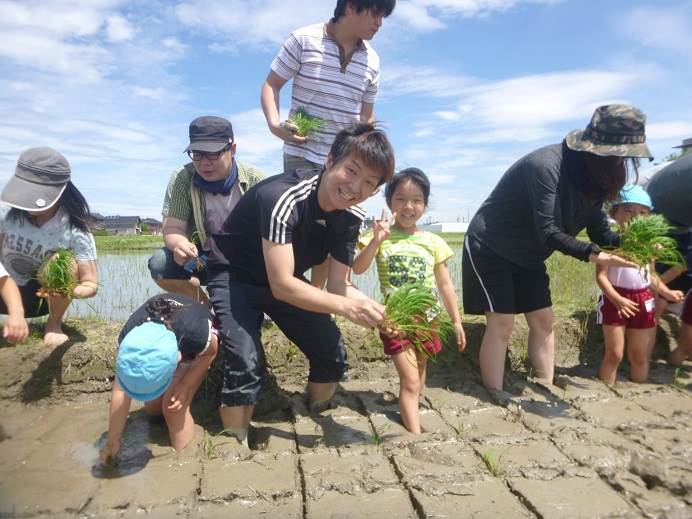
468 86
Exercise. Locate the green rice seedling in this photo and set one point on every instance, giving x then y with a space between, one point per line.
414 312
677 382
58 274
645 239
306 123
493 463
210 443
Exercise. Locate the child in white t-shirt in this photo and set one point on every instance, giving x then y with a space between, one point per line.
626 308
45 212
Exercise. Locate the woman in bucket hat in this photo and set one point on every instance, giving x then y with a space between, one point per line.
164 352
45 212
540 204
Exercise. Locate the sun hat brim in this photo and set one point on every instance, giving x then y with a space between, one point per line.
144 397
31 196
575 141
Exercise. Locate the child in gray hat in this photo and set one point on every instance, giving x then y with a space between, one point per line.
45 213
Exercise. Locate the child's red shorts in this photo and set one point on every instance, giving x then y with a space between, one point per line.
394 345
607 313
687 309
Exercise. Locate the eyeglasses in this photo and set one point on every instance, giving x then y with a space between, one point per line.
196 156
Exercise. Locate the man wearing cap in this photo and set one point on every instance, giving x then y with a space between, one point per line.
198 200
540 204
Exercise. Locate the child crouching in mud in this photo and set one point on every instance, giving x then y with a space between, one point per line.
164 352
405 254
626 308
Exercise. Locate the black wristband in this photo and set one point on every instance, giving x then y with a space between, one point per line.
594 249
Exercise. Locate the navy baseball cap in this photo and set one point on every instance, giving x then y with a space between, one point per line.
210 134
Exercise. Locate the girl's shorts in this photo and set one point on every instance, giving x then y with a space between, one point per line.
396 345
607 313
687 309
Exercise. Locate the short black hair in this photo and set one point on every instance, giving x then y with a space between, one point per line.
416 176
383 7
367 142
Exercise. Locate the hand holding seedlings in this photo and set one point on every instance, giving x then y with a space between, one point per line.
364 312
646 239
414 312
302 124
58 274
288 132
184 251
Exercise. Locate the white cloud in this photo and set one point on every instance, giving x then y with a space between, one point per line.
118 29
668 130
428 15
665 28
251 24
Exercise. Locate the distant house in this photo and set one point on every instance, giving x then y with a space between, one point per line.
97 221
446 227
154 225
122 224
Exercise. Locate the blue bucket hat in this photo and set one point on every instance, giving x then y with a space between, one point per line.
147 359
634 194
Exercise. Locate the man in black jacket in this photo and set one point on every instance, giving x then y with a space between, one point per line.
540 204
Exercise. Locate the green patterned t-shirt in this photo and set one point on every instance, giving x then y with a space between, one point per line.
408 258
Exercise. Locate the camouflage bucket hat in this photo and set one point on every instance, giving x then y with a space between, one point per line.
614 130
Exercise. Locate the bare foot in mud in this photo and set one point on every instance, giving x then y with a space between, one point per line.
54 336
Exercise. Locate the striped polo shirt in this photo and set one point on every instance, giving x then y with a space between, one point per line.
283 209
323 88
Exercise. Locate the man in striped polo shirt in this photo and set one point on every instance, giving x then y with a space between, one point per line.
282 227
336 74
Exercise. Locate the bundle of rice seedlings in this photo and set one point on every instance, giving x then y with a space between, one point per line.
306 123
58 273
645 239
413 312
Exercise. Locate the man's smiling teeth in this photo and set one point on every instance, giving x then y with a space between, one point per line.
346 197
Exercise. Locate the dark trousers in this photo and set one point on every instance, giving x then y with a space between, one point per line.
239 309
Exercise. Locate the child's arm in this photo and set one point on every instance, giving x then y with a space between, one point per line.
87 275
662 290
449 299
380 229
119 408
15 329
626 307
184 389
672 273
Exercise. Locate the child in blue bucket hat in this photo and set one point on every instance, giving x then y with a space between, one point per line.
627 306
164 352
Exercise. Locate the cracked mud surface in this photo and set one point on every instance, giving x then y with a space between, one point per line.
574 449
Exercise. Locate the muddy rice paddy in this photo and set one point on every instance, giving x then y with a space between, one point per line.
575 449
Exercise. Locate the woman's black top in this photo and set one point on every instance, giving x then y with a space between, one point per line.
538 207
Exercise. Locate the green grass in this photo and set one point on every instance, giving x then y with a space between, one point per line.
306 123
141 242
